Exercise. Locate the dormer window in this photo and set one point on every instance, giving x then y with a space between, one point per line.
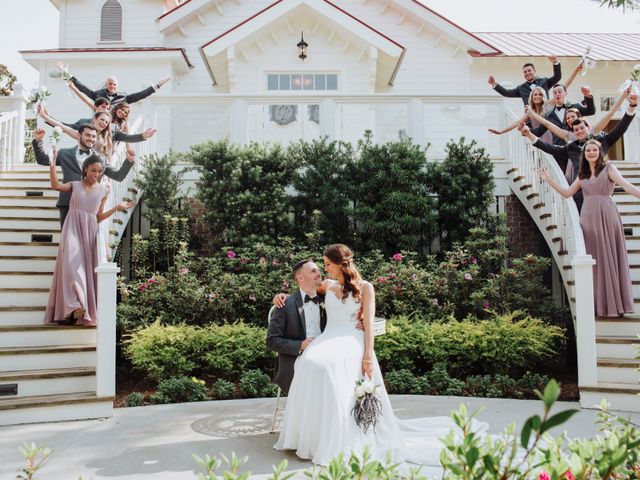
111 22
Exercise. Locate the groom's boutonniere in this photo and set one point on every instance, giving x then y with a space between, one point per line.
368 407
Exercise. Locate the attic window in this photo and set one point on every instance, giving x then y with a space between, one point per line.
111 22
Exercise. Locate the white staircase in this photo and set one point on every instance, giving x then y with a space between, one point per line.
607 347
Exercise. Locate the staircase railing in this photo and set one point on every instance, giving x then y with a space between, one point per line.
558 220
107 270
12 121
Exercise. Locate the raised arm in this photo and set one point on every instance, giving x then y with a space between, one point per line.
53 175
557 72
120 174
82 96
41 156
55 123
510 127
83 88
368 314
565 192
615 176
603 122
136 97
556 130
102 215
505 92
589 107
574 74
616 132
120 136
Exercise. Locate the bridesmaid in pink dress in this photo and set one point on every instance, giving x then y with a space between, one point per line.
73 289
602 227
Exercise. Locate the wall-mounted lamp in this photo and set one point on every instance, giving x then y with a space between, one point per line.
302 47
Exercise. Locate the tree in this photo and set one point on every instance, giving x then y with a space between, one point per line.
7 79
632 4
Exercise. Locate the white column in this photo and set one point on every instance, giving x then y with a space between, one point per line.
106 334
585 320
19 105
238 122
328 118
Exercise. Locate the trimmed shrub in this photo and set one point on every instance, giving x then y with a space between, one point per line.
223 389
180 389
256 384
135 399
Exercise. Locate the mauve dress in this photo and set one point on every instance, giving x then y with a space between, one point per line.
604 241
74 279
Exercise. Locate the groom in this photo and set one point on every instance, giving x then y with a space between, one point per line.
293 327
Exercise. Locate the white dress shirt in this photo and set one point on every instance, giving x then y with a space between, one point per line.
311 316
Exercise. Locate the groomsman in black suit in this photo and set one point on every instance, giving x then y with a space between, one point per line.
294 326
71 159
560 106
111 93
531 80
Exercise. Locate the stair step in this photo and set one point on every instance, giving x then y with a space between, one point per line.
46 335
56 408
56 381
28 248
52 400
618 370
46 373
27 263
28 315
619 347
51 356
620 398
25 279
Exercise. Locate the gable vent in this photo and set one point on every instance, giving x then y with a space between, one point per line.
111 22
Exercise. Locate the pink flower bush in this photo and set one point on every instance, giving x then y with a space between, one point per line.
183 271
152 280
568 475
382 280
231 254
468 277
544 475
397 257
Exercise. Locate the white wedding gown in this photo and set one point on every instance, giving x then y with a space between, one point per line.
318 423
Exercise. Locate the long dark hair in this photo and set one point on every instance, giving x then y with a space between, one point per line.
342 255
90 160
585 170
114 117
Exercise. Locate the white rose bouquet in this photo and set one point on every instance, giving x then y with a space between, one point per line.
55 135
38 95
368 407
633 80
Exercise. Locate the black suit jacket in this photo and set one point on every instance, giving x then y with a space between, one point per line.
524 89
586 108
287 330
114 98
572 151
71 171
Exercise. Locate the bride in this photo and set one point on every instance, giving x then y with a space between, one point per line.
317 422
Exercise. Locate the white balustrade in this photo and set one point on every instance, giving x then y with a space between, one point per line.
12 134
563 233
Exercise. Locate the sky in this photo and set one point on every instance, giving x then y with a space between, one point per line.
33 24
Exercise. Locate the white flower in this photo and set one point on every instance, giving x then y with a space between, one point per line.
57 129
360 391
369 387
636 67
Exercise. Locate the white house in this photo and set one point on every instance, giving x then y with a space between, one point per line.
395 67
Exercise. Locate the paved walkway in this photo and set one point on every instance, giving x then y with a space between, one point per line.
157 442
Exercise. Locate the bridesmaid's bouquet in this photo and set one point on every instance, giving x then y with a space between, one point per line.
55 135
38 95
632 81
368 407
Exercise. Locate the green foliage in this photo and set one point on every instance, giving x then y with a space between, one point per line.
438 381
502 344
7 79
244 190
624 4
392 203
402 381
220 351
255 383
323 187
223 389
180 389
464 186
135 399
160 182
36 456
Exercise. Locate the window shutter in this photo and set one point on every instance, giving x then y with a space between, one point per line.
111 22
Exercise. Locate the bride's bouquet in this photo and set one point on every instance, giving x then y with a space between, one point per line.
55 135
632 81
368 407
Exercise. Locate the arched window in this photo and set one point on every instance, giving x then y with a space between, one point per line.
111 22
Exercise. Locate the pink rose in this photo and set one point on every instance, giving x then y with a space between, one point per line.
142 287
544 475
152 280
231 254
382 280
474 260
183 271
468 277
397 257
569 476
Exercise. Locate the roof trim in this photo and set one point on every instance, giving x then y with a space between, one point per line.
182 51
396 49
172 10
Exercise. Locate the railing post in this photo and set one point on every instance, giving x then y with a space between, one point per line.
585 320
20 105
106 330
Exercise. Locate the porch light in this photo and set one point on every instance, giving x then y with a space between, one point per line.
302 47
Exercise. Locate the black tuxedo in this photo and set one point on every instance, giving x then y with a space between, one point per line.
118 135
524 89
572 151
114 98
72 171
287 330
586 108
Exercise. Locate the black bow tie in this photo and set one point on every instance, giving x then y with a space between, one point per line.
559 108
84 152
315 299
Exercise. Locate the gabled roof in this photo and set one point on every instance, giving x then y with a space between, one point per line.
604 46
325 8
